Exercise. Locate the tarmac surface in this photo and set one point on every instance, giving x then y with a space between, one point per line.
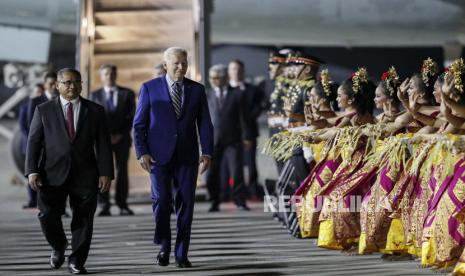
230 242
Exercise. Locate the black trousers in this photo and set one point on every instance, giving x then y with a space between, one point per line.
121 154
233 155
83 202
250 161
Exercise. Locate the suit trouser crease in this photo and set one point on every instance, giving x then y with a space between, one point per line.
234 158
121 153
178 182
250 161
83 202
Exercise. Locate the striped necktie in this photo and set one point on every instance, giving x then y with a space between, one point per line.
176 98
110 102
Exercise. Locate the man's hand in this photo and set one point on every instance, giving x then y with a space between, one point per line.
206 162
104 183
247 144
35 182
115 138
146 161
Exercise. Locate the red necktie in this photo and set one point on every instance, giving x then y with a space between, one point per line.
70 120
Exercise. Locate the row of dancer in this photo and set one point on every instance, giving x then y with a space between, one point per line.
391 183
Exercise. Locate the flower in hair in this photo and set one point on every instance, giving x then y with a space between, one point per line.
326 82
392 80
428 69
359 77
457 69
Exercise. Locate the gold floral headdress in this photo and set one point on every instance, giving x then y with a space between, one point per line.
456 69
428 69
392 80
359 77
326 82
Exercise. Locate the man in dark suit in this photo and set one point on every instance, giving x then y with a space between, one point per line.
232 132
254 102
68 154
50 93
171 118
119 104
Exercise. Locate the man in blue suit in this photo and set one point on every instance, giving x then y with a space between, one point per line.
24 123
171 111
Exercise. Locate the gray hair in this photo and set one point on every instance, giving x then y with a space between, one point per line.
220 69
68 70
171 51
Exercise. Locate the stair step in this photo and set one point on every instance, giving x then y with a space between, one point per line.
119 33
158 19
135 5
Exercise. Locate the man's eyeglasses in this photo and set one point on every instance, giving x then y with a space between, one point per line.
68 83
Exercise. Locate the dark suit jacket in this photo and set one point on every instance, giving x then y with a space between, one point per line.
254 101
120 120
231 124
159 133
32 104
23 126
52 154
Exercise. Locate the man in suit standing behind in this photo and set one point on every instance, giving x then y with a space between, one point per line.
232 132
24 123
50 93
68 154
254 102
119 105
171 111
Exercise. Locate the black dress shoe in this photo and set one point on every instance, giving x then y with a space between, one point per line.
74 269
126 212
243 207
58 257
183 263
163 258
215 207
105 212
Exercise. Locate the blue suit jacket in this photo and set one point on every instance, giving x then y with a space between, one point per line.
24 126
159 133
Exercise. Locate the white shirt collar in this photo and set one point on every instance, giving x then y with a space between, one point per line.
235 84
218 90
107 89
170 81
65 102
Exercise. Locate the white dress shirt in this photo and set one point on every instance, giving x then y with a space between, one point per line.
239 84
218 92
107 90
76 107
